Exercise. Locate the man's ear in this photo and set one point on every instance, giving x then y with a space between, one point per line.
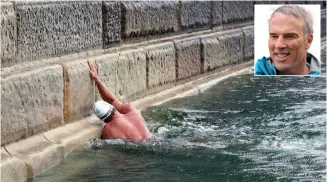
308 41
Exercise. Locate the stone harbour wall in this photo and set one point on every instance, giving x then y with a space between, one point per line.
139 48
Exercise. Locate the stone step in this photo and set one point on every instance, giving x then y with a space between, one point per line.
34 155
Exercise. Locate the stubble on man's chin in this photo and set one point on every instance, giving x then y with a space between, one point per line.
292 69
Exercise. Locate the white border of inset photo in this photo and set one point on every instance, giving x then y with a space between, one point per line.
262 14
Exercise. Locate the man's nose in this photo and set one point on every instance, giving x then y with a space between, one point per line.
280 43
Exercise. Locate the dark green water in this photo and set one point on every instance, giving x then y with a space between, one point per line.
244 128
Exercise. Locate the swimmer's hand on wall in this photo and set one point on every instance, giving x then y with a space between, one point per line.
93 72
103 90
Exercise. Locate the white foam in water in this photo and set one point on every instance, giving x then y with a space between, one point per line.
287 157
210 145
302 109
279 94
198 127
232 111
323 91
300 147
214 127
188 128
94 143
192 110
162 130
263 100
314 121
115 141
246 102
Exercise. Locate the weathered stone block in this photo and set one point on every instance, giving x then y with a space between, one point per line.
111 15
217 13
12 169
37 153
195 14
131 75
47 29
142 18
79 90
107 70
31 103
160 64
8 34
295 2
269 2
75 135
211 52
188 56
231 43
124 73
237 11
248 42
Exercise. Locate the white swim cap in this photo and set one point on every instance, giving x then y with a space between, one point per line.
103 110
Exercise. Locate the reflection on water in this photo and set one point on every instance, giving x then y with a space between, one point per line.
243 129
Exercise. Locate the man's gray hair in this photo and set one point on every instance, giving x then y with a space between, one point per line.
299 13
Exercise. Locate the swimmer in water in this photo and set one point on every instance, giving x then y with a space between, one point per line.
123 121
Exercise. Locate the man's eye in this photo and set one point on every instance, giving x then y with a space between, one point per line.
290 37
274 36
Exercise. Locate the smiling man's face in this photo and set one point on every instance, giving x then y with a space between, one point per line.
287 44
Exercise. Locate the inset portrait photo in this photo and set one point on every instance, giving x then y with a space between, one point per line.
287 40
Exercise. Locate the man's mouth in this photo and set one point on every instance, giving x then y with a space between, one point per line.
282 55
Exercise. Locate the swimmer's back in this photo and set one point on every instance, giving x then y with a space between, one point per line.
130 125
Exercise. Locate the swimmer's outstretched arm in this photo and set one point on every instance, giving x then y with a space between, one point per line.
105 93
